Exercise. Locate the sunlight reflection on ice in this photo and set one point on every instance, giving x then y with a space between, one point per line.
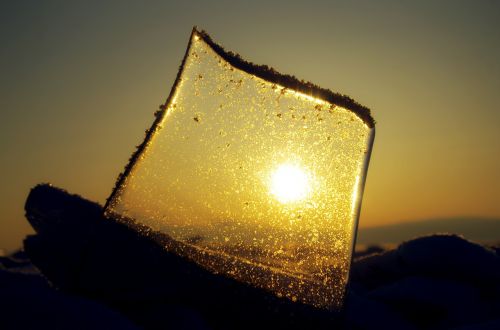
220 176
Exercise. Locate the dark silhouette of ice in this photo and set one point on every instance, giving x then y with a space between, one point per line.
438 281
92 272
28 301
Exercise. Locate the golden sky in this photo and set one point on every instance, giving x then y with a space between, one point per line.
79 84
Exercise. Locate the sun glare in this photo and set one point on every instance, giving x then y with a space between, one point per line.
290 183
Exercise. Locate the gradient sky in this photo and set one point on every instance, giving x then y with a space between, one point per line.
79 82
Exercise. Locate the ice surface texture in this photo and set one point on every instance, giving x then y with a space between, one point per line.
252 177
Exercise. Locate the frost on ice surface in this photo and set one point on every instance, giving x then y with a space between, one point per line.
252 178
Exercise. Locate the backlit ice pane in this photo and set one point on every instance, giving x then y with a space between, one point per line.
253 180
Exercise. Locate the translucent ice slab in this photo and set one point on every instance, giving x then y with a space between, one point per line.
252 174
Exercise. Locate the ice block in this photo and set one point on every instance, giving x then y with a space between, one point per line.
253 175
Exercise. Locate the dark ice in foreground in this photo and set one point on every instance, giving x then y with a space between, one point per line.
435 282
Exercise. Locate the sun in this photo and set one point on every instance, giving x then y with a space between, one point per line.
290 183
